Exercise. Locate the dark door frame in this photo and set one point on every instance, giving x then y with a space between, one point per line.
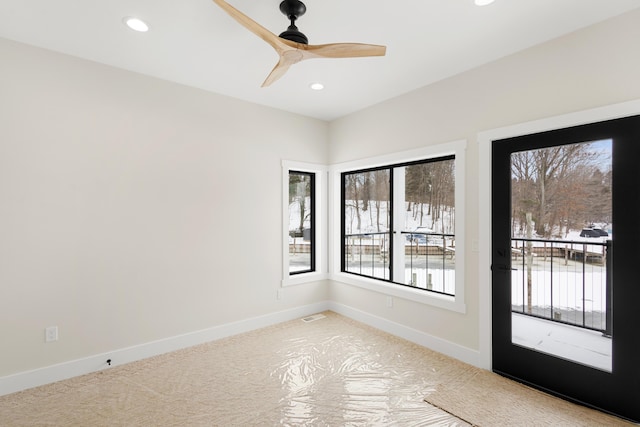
483 245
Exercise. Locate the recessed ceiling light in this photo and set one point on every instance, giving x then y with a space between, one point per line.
483 2
316 86
136 24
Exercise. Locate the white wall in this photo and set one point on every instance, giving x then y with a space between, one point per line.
133 209
126 202
590 68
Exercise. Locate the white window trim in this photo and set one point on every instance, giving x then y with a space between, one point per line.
455 303
320 234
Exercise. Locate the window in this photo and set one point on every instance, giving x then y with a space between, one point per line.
304 222
301 222
399 223
366 223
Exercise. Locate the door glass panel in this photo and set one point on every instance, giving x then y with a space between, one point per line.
561 232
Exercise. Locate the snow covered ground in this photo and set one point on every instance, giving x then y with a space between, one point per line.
433 279
576 344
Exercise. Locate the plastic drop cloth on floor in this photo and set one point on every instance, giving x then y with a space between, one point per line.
328 372
336 377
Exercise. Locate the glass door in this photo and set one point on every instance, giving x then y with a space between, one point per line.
563 299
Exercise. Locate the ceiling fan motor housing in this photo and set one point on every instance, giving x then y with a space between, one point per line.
293 9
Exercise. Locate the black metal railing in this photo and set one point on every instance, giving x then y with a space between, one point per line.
367 254
563 281
429 259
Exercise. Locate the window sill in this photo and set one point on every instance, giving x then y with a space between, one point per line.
302 278
420 296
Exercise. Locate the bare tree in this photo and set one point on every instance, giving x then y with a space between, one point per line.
432 186
299 191
352 190
381 195
368 192
547 182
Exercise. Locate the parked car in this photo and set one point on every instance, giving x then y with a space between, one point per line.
422 235
420 239
593 232
600 231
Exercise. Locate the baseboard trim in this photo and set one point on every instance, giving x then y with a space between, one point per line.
37 377
448 348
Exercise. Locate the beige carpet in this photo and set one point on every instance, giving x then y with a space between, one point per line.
486 399
330 372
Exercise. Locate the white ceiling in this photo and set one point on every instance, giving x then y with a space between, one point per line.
195 43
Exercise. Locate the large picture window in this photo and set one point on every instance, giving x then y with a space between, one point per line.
398 224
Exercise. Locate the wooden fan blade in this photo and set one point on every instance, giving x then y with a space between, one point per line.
287 59
343 50
277 72
266 35
291 52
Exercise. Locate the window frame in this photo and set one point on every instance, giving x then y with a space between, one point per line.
457 149
342 215
319 227
393 228
312 221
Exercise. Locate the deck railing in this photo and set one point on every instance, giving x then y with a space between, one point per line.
367 254
563 281
429 259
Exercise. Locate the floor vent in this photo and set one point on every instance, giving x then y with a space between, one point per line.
313 318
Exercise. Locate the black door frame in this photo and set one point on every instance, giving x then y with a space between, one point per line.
558 376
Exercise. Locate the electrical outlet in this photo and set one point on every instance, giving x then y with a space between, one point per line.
389 302
51 334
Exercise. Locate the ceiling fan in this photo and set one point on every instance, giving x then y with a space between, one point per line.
292 46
